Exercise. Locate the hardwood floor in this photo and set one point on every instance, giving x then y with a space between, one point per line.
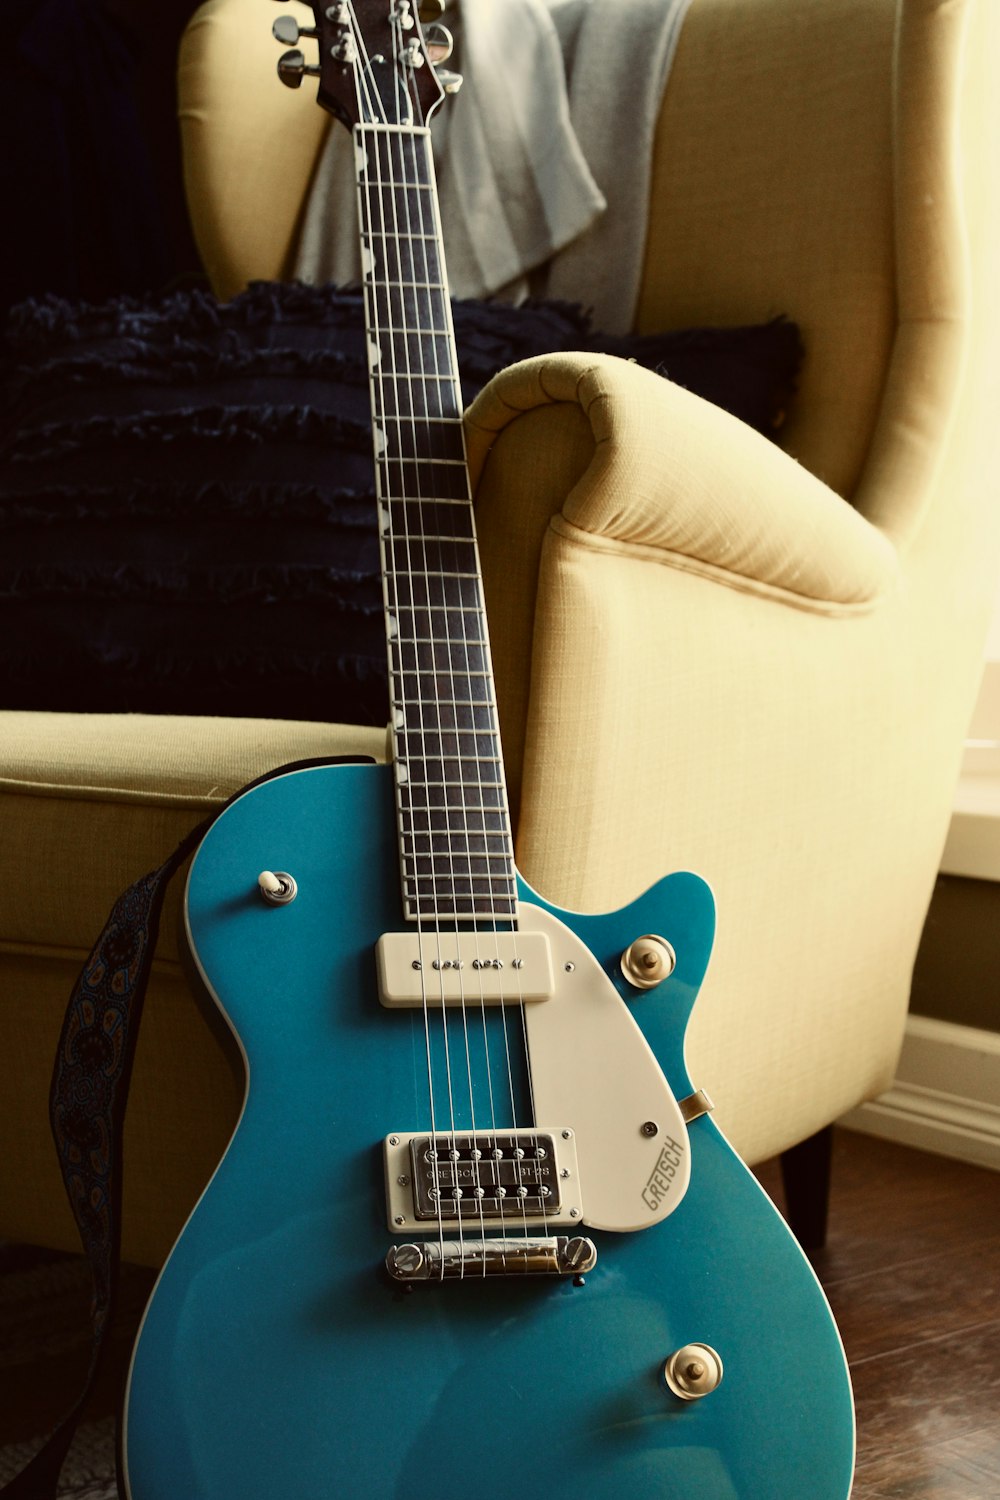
911 1268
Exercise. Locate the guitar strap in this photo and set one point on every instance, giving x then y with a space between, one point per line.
87 1100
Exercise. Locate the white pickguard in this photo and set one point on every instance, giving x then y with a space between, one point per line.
592 1069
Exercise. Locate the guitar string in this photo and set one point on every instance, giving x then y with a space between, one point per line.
416 144
476 760
413 143
398 70
371 105
505 814
505 819
491 889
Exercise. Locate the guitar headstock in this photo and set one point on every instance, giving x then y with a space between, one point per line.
377 63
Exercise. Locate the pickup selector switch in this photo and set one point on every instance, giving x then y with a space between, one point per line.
277 887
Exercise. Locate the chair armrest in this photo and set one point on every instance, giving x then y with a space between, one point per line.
698 489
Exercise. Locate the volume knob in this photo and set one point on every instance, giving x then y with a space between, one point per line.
648 961
693 1372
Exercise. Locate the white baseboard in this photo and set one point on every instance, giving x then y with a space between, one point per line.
946 1094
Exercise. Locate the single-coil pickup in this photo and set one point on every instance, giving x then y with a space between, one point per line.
456 968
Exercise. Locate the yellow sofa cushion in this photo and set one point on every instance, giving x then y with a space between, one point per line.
89 803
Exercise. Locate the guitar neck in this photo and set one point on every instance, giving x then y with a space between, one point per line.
454 828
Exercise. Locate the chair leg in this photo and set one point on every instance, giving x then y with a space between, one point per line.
805 1175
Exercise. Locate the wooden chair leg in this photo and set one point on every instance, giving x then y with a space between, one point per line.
805 1175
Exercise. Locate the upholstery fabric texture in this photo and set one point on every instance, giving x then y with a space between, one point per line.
88 802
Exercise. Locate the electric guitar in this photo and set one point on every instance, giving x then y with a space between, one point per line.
476 1230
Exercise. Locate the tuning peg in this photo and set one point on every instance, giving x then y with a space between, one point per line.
286 29
439 42
292 68
450 82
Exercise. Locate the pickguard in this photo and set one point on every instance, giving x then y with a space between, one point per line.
593 1070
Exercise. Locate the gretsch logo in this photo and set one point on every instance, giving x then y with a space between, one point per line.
664 1174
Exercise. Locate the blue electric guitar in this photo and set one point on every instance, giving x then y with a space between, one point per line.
476 1231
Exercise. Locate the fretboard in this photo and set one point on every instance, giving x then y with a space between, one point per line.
454 830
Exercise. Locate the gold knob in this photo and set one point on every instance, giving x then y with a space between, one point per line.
648 961
693 1372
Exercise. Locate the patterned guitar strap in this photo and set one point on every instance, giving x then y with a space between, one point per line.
87 1099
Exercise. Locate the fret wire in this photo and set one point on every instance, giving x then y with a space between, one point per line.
422 333
392 281
436 755
504 910
430 672
427 855
456 609
450 828
484 866
459 809
479 760
467 702
494 833
445 833
425 536
456 463
430 239
482 893
486 724
473 888
433 640
459 786
436 573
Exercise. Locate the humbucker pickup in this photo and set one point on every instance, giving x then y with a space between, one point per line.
512 1177
452 968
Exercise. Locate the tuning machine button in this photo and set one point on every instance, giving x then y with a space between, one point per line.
450 82
292 68
431 10
286 29
439 42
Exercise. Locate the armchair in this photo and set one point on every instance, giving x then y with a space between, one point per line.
712 652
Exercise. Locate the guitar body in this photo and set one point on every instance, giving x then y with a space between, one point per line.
277 1356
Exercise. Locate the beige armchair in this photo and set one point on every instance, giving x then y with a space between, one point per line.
711 653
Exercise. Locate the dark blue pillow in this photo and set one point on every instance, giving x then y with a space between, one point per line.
187 518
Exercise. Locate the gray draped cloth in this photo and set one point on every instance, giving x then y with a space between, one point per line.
543 159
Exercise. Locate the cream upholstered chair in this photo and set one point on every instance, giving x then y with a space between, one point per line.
711 653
